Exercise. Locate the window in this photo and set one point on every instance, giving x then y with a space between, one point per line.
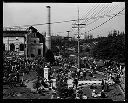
12 47
39 51
3 47
32 55
21 47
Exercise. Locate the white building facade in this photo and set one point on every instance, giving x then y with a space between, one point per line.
16 44
22 43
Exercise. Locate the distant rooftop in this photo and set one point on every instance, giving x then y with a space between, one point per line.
14 32
14 29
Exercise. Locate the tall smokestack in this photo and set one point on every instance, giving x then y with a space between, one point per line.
48 34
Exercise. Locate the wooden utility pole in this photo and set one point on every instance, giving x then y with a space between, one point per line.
78 27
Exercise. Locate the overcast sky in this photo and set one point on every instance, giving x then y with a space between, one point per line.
19 14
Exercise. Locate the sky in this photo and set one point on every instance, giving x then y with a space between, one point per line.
20 14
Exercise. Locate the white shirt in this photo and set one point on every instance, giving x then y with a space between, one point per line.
84 97
77 98
94 94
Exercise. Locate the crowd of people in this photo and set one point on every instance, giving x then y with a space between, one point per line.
113 70
15 67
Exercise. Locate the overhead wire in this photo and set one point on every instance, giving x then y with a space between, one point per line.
43 24
93 9
105 14
93 16
88 13
106 21
100 16
67 20
85 18
95 13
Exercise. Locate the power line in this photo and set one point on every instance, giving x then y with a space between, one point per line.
105 14
41 24
111 9
106 21
103 17
100 10
47 23
85 18
88 13
98 16
55 22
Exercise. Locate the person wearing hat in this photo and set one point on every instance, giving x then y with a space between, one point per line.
103 84
75 82
18 76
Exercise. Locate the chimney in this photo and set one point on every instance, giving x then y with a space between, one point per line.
48 34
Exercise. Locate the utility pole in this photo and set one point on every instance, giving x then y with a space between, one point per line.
78 36
78 42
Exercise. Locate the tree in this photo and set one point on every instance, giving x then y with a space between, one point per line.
49 57
111 47
55 50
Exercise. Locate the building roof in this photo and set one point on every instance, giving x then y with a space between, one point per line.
14 33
